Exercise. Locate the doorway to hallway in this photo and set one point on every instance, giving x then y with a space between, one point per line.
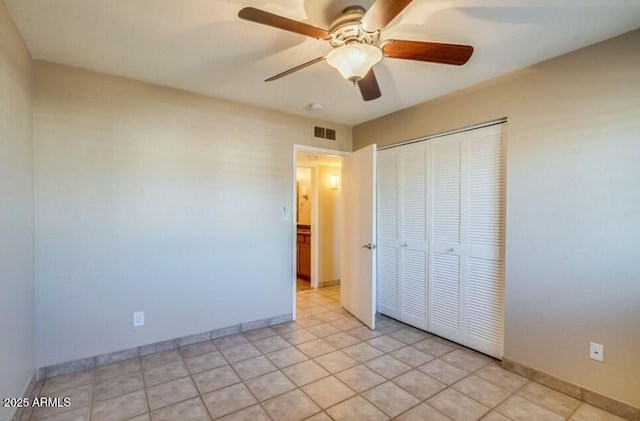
318 204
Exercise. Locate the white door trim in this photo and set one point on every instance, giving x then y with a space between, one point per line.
314 215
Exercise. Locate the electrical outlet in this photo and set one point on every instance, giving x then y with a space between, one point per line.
138 318
596 352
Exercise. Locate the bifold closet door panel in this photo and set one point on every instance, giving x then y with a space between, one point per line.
388 281
467 239
446 254
485 195
413 206
484 325
388 241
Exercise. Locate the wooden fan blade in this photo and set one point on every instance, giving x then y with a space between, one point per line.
369 86
455 54
260 16
381 13
295 69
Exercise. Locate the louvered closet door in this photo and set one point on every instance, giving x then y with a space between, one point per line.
445 277
483 194
413 225
467 238
388 231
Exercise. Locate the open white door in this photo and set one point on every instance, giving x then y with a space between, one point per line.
358 259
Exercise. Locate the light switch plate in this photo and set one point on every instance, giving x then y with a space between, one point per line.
138 318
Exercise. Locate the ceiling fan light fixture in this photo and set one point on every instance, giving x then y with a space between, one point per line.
354 61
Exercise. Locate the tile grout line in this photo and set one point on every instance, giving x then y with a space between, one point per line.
58 392
119 395
469 374
405 345
423 402
241 381
144 382
323 410
513 394
420 401
199 394
189 375
575 410
93 392
335 404
580 402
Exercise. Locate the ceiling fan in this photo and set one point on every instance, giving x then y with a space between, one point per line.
354 37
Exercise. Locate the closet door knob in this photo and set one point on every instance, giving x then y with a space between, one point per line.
451 250
404 246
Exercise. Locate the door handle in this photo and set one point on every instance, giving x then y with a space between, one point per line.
451 250
369 246
404 246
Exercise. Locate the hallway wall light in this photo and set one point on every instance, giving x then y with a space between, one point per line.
334 181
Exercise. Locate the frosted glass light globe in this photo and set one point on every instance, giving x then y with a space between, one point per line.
354 61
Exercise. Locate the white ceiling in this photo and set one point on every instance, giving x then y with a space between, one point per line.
202 46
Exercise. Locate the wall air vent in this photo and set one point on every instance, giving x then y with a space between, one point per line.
324 133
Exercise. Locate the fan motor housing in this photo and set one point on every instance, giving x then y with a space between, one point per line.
346 29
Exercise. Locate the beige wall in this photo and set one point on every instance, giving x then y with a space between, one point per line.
16 213
573 207
303 177
157 200
328 225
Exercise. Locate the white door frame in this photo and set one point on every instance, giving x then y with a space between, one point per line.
314 215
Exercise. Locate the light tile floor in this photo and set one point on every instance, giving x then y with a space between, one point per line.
302 284
325 366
